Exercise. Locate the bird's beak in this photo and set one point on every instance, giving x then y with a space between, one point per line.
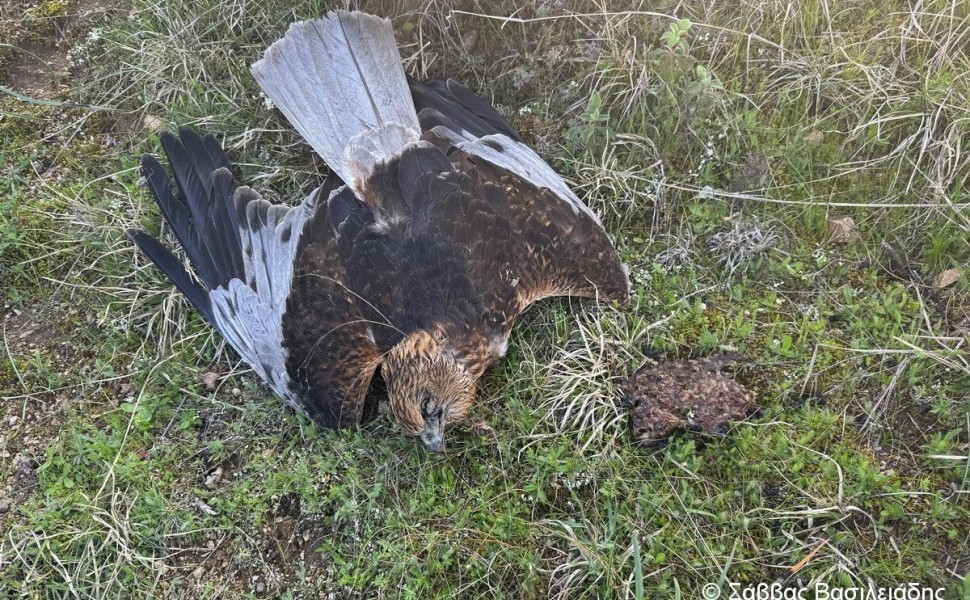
437 445
434 438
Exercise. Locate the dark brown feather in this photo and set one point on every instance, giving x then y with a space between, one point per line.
332 354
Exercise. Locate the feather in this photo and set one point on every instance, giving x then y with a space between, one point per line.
248 323
448 103
196 294
177 215
418 163
340 83
518 158
452 112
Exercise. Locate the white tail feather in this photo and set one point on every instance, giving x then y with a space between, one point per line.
340 83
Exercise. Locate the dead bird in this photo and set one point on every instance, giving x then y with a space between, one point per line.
691 395
437 229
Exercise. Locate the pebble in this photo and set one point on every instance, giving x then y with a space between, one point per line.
210 380
214 478
4 505
12 420
153 124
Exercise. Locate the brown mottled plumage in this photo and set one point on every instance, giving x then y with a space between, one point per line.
439 227
687 395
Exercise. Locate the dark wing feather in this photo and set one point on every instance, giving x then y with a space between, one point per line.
448 103
200 215
273 281
197 294
528 236
523 243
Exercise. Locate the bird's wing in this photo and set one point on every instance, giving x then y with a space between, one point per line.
556 249
313 349
339 318
533 233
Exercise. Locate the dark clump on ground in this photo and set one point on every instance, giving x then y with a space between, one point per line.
689 395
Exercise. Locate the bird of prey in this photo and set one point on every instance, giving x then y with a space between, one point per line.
438 227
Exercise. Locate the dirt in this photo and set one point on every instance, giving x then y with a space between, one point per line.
43 33
37 341
39 73
281 557
29 420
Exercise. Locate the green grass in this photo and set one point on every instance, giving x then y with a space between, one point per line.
717 149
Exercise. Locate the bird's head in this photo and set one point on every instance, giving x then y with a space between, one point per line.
428 389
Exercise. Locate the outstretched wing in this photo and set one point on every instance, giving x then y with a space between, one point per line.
337 323
533 234
311 349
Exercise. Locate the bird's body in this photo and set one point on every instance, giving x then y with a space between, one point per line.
439 227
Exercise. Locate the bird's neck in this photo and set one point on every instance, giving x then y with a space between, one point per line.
474 350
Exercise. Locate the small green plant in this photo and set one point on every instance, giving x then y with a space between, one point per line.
674 36
592 130
706 81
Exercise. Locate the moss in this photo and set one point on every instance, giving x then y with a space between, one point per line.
43 20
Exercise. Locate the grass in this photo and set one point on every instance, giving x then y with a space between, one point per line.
717 141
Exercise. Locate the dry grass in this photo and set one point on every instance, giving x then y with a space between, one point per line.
855 473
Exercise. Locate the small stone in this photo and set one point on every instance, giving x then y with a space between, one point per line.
198 572
4 506
153 124
947 278
12 420
470 41
842 230
214 478
211 380
814 137
236 392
